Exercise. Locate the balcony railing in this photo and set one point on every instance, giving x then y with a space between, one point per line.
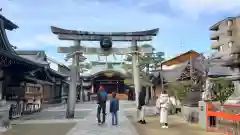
235 49
215 45
215 35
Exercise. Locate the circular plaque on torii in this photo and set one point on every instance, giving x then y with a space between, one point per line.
106 43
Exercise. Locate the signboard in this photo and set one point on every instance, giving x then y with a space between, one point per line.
127 82
108 74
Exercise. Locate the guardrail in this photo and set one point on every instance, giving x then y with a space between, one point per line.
223 122
18 109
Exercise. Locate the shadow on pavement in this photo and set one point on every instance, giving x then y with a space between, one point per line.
40 129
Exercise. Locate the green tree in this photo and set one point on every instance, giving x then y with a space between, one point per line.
179 89
222 89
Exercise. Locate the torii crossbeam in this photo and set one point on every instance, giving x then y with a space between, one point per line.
133 37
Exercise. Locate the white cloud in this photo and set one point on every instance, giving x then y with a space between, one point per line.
194 8
50 40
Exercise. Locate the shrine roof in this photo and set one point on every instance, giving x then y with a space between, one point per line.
152 32
9 25
35 56
216 68
19 58
181 58
174 74
100 69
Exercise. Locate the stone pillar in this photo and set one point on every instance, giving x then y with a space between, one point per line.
235 97
73 85
136 75
207 94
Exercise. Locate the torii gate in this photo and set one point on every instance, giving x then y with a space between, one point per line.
105 49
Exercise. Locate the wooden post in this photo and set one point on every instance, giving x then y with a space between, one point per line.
191 68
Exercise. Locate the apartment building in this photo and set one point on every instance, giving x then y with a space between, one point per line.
226 40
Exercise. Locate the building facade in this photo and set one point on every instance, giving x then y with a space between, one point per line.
226 41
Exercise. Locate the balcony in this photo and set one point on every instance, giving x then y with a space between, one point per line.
219 55
215 35
235 77
232 62
235 49
215 45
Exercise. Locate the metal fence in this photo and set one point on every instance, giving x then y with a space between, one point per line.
19 109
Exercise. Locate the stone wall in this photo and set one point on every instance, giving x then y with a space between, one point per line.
190 114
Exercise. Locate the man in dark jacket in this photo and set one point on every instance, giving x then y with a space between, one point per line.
101 102
141 105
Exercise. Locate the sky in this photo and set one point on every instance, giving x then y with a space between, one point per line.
183 24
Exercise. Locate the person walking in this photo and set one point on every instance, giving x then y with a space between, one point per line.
114 108
163 103
141 106
101 104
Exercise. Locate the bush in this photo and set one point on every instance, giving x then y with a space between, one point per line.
179 89
222 89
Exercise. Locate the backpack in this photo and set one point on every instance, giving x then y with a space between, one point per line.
102 97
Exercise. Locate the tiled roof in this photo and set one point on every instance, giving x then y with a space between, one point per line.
216 68
172 75
101 68
7 23
36 56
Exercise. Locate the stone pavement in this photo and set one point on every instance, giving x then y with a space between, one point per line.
57 114
51 122
177 125
89 125
40 129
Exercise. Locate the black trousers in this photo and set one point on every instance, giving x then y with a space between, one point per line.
101 109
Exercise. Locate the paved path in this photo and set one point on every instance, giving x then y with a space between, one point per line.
51 121
177 125
89 125
57 114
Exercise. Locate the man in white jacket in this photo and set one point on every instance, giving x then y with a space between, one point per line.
163 103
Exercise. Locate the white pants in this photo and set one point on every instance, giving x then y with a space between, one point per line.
163 115
141 113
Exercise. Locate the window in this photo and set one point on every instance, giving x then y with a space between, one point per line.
230 23
229 33
221 48
230 44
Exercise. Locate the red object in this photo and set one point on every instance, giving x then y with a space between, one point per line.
101 88
235 118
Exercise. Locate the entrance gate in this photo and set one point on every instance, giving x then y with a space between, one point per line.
105 49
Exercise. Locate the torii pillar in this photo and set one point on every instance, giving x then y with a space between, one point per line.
140 36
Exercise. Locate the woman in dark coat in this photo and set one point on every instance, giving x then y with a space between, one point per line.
141 105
